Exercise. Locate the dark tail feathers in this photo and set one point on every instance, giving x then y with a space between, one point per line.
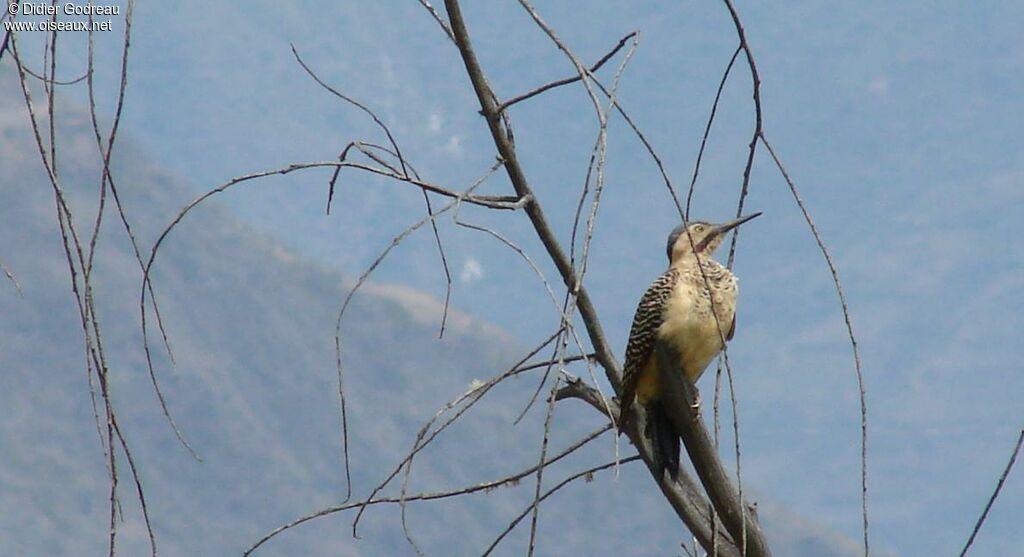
663 438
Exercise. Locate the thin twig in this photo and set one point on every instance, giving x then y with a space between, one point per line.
444 264
707 130
10 276
862 390
78 265
588 473
107 179
51 81
380 123
566 81
359 282
540 468
758 122
437 17
139 492
505 202
75 258
510 480
473 395
565 320
5 44
995 494
600 150
643 141
585 75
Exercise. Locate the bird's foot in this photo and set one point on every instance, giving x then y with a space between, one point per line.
696 399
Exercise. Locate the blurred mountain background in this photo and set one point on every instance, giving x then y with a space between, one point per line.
898 122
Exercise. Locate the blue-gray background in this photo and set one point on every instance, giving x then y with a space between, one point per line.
898 122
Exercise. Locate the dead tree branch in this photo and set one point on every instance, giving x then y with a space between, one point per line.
684 411
510 480
995 494
683 494
567 80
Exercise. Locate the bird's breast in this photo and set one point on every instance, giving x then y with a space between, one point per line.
689 321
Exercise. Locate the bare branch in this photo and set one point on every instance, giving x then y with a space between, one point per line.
6 43
683 494
540 468
437 17
10 277
995 494
588 473
519 183
862 390
404 167
380 123
707 130
577 388
680 402
475 393
566 80
758 122
52 81
511 480
362 279
79 265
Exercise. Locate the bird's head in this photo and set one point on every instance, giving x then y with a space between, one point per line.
699 237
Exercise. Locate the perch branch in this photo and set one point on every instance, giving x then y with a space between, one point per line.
680 400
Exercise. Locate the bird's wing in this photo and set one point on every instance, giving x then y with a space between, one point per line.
643 334
732 328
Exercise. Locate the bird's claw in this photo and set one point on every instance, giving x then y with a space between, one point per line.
696 400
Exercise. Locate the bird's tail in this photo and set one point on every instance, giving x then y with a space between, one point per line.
664 439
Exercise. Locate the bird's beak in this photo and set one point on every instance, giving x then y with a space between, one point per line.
725 227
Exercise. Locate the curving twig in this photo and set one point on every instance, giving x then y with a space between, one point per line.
437 17
758 122
468 399
707 130
995 494
588 474
861 389
510 480
548 419
10 276
380 123
758 136
79 260
567 80
52 81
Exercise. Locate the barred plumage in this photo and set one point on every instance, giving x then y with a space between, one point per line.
643 334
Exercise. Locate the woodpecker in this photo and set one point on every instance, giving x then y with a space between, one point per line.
692 308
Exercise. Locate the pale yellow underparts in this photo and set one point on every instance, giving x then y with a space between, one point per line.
688 324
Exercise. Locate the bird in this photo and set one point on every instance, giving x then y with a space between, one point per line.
691 308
